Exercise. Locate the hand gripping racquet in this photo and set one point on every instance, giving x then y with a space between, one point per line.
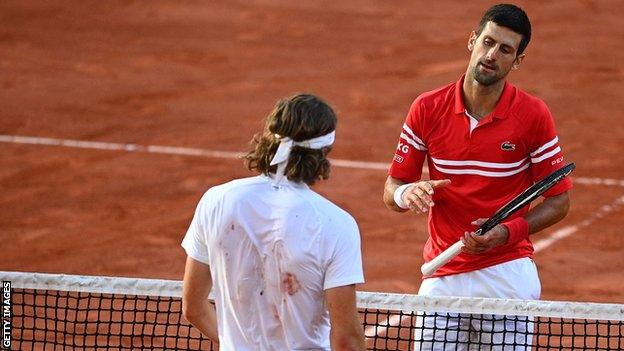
530 194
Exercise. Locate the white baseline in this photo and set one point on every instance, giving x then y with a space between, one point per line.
187 151
160 149
371 331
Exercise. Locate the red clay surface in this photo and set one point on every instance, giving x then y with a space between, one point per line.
204 75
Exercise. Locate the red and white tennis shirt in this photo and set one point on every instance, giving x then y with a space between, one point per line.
488 163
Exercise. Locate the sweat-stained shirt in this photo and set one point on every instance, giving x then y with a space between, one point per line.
272 252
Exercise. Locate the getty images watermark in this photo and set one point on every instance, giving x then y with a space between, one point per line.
6 315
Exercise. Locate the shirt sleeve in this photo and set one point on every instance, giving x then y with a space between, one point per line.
195 241
546 155
411 150
344 265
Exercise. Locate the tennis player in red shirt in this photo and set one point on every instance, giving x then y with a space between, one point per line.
485 141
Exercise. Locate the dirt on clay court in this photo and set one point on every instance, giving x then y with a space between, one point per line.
204 74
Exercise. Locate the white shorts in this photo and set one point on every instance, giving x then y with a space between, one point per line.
515 279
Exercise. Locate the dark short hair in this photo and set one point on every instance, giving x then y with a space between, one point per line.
512 17
299 117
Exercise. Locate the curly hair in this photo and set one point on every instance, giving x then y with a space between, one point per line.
299 117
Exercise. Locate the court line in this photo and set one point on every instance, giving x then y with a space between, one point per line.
187 151
371 331
571 229
394 320
161 149
173 150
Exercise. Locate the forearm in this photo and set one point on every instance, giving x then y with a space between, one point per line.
196 307
348 342
203 316
346 332
550 211
415 196
390 187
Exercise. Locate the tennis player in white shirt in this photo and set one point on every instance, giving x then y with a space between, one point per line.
281 261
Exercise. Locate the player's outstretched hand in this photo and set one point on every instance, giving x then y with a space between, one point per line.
418 196
476 244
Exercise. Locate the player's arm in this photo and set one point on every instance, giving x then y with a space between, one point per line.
346 328
400 196
550 211
196 307
403 190
545 155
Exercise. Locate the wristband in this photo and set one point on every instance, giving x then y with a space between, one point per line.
398 195
518 230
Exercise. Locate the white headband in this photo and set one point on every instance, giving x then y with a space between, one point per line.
283 150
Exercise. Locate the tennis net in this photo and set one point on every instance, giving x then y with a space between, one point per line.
68 312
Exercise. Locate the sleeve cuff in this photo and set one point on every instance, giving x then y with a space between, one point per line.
518 230
194 254
563 186
357 279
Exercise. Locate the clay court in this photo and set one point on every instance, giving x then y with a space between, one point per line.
199 77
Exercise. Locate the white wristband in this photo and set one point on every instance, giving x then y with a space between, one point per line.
398 195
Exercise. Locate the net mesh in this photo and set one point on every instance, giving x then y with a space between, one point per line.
61 312
60 320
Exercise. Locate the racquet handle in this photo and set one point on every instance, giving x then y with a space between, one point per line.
430 267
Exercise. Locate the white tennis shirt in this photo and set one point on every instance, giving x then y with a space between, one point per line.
272 252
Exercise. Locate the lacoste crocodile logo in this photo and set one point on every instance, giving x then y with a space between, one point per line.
508 146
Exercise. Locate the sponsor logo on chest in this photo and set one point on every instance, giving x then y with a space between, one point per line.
508 146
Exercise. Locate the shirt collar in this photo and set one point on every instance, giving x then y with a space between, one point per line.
285 181
502 107
459 98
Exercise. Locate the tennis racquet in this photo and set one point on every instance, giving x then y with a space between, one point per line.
530 194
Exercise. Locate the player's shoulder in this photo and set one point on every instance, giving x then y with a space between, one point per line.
433 103
331 213
441 95
232 189
528 106
338 226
